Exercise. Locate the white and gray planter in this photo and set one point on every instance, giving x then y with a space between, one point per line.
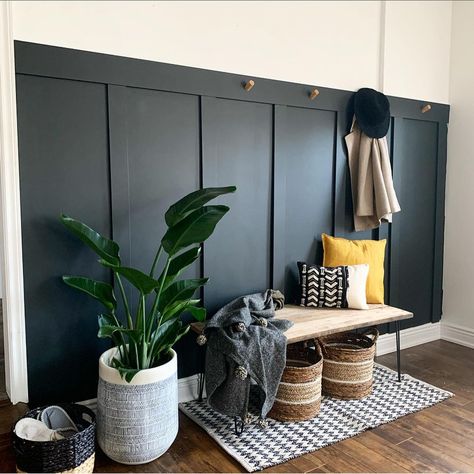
138 421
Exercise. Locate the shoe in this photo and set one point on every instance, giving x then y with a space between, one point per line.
57 419
35 430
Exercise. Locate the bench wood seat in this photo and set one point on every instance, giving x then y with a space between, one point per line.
315 322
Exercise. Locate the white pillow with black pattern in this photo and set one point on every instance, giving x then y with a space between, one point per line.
333 287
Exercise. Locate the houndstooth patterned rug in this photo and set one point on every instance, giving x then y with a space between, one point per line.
258 448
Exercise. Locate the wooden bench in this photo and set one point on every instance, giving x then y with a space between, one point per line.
315 322
310 323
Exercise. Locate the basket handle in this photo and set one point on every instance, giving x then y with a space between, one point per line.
321 346
317 348
371 333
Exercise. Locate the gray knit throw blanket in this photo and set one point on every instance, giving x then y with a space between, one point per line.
245 342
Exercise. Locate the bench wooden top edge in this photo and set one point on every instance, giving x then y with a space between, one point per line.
310 323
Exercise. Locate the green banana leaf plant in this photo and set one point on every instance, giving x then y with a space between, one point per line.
145 338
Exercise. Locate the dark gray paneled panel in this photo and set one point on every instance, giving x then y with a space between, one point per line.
157 134
155 154
63 144
237 150
64 167
304 190
412 262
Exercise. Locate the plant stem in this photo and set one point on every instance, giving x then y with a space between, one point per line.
145 339
125 301
123 344
155 261
136 356
157 298
155 309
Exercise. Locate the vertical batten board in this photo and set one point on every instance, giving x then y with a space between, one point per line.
119 169
237 150
385 232
439 222
279 200
342 194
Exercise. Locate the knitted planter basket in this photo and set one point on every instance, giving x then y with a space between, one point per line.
348 364
299 393
74 454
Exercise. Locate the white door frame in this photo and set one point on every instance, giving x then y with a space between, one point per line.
10 220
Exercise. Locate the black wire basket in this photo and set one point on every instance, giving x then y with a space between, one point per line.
74 454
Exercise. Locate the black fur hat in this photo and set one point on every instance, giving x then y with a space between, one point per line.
372 111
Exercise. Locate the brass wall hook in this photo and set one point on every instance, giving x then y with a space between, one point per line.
425 108
313 94
249 85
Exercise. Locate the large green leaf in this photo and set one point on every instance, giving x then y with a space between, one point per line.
108 327
198 312
192 201
193 229
125 372
176 336
107 330
179 263
175 309
163 332
107 249
97 289
144 283
106 320
164 337
180 290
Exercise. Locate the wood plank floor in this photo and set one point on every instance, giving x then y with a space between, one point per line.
438 439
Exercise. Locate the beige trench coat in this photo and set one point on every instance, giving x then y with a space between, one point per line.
373 194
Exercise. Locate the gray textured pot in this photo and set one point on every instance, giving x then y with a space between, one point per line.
137 422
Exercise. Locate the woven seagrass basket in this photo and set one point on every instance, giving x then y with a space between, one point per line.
348 364
299 393
71 455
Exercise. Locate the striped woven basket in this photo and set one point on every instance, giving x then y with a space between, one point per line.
348 364
299 393
70 455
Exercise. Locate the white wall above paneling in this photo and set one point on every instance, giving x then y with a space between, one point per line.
334 44
417 49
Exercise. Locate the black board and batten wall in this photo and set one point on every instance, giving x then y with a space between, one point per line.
113 141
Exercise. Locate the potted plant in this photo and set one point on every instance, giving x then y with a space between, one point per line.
137 400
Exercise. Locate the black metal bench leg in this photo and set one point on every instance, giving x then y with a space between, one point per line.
201 375
397 335
238 425
201 381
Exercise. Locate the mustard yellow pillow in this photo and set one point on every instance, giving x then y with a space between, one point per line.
338 251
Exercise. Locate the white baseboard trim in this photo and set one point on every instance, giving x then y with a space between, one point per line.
409 337
458 334
188 389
